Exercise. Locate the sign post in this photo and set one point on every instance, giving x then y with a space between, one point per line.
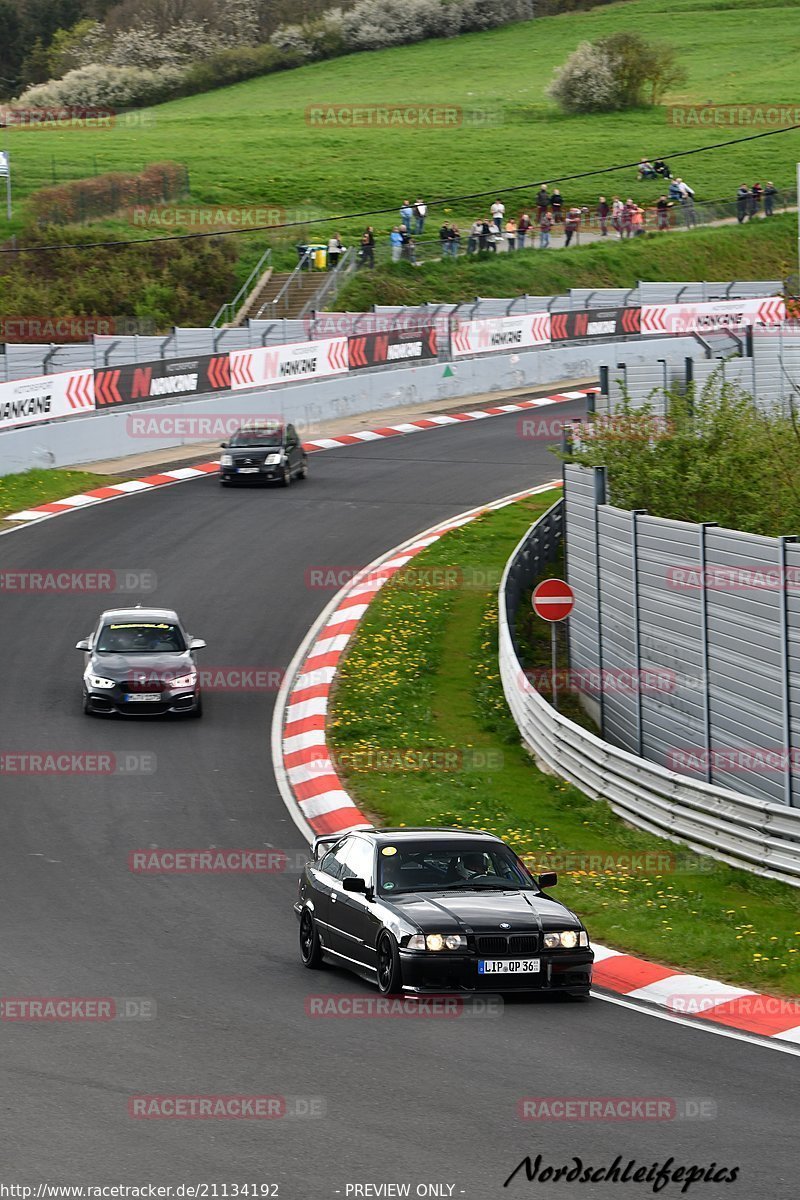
553 600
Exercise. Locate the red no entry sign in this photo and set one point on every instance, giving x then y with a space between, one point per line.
553 600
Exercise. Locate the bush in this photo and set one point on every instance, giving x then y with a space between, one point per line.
619 72
101 195
585 83
234 65
717 457
99 86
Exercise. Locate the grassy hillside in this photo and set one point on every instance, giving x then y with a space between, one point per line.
251 143
764 250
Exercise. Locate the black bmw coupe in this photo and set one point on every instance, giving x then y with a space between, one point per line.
438 910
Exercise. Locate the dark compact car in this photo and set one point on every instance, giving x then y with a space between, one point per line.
438 910
263 454
141 661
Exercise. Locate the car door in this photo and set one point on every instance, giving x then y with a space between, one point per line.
356 924
293 452
325 876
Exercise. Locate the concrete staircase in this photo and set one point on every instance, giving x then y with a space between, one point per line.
304 286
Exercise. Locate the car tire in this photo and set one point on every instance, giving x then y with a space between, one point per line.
390 972
197 711
286 477
310 945
86 707
224 483
303 472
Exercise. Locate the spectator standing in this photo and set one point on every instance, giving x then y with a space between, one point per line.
396 242
637 220
742 203
627 217
756 192
453 239
525 224
444 234
663 205
511 233
474 237
770 192
616 214
420 213
542 202
498 212
557 204
572 224
483 236
687 202
674 190
366 253
335 251
545 225
406 214
602 215
495 236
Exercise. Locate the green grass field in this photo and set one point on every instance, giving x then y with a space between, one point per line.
26 490
423 675
763 250
251 143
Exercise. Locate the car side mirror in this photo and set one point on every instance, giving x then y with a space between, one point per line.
354 884
548 879
223 445
83 644
196 644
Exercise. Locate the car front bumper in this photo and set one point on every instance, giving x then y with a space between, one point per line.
260 474
112 700
570 973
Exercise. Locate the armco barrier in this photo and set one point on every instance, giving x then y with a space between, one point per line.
744 832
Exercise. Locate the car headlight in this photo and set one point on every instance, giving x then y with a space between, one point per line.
226 460
272 460
566 939
437 941
184 680
97 681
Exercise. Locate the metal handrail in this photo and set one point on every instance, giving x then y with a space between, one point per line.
331 283
231 307
283 295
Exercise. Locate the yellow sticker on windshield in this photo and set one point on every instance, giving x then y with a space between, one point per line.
389 850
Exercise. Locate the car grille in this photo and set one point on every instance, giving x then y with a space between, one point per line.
249 460
150 685
508 946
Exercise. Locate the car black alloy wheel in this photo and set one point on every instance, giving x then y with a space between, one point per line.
310 948
390 977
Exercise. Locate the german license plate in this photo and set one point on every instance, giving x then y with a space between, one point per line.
508 966
247 470
141 697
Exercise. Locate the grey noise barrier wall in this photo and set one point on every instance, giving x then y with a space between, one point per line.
108 434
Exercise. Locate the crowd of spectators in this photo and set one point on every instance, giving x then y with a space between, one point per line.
624 218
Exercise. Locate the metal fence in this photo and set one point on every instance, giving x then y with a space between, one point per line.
765 362
687 639
719 821
25 360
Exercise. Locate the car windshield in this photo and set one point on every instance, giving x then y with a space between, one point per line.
455 865
257 437
140 637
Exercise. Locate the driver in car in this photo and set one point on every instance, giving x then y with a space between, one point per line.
468 866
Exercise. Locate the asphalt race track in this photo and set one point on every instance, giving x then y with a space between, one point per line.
406 1101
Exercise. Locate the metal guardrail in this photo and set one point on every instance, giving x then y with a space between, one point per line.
744 832
229 309
329 289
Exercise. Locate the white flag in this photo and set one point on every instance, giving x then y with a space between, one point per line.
5 166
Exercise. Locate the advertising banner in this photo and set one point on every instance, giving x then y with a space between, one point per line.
594 322
141 383
400 345
499 333
282 364
712 315
46 397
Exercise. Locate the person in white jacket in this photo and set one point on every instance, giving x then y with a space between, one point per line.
498 212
